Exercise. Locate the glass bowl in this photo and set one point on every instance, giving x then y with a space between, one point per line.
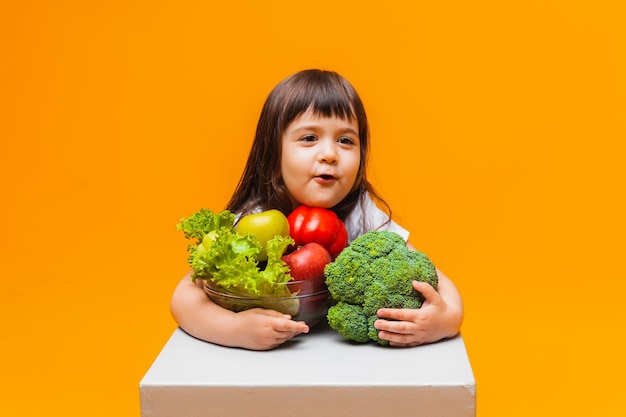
308 302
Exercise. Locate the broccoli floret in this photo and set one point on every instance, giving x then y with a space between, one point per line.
376 244
375 271
349 321
348 278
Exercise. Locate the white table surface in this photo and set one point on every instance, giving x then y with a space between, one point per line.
191 377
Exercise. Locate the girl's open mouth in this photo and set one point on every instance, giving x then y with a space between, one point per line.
325 178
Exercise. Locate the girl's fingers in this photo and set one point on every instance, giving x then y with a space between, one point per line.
291 326
401 314
425 289
396 327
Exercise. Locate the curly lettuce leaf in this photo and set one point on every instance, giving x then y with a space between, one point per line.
226 256
276 271
204 221
228 259
233 267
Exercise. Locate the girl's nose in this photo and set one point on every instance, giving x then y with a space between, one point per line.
327 152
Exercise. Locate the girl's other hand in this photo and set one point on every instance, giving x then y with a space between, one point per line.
261 329
434 321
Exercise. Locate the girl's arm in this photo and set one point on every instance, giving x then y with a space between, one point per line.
440 316
255 329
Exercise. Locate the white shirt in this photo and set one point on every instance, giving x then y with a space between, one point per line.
375 219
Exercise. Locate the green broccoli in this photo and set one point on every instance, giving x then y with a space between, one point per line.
348 319
375 271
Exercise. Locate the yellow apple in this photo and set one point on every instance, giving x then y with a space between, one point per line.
264 226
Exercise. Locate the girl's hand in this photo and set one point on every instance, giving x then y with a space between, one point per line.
261 329
434 321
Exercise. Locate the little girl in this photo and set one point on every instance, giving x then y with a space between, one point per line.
311 148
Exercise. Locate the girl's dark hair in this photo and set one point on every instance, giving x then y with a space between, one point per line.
327 94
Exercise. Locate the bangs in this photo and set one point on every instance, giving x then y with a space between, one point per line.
328 101
324 94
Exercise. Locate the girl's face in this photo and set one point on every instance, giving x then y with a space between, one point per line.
320 159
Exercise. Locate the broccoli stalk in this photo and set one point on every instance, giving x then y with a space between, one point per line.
375 271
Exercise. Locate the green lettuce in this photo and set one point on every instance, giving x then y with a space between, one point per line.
219 254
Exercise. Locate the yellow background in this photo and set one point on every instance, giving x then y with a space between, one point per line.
498 138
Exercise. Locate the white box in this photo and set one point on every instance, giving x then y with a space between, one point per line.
319 374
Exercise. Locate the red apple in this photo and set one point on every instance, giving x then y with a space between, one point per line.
306 263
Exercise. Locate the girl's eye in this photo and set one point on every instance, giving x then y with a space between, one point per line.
346 140
308 138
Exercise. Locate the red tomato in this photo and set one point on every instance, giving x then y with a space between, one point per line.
320 225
